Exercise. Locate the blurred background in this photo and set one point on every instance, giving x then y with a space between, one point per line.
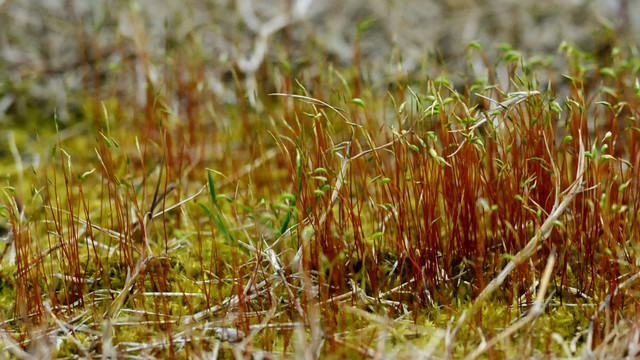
53 50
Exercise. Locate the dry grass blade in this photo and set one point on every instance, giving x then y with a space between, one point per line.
603 348
116 305
513 99
13 347
534 312
315 101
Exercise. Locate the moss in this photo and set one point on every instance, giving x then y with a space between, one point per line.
426 212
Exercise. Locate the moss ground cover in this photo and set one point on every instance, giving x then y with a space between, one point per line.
319 212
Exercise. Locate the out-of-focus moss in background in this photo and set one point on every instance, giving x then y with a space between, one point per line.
51 49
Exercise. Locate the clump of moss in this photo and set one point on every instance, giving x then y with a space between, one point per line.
335 217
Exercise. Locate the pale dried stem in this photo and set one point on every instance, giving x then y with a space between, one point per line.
114 308
532 315
8 344
250 64
514 99
602 348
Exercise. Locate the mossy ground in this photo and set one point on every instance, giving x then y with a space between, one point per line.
322 213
